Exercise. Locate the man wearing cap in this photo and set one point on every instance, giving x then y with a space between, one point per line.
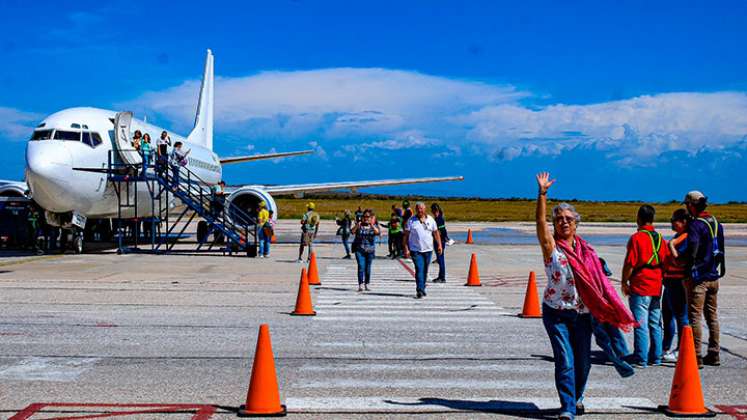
264 231
309 228
705 265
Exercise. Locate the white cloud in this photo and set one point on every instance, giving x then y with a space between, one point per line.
389 109
16 125
662 122
336 101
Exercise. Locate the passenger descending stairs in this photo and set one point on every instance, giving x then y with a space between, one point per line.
238 227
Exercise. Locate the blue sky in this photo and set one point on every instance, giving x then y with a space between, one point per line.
620 100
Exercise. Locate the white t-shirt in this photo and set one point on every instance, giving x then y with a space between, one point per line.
421 234
560 292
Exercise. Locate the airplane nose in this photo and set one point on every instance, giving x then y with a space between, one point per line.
48 172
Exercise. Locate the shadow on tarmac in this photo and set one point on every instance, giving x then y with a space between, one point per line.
526 410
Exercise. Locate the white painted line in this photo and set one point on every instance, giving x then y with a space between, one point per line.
508 404
47 369
446 384
426 318
411 312
421 366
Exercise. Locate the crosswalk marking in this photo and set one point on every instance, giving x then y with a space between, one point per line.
387 347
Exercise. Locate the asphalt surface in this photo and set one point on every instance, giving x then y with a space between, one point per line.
144 329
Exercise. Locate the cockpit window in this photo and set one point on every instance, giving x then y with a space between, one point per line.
41 135
67 135
96 139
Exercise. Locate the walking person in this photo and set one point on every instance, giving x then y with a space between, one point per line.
577 289
265 230
178 159
309 229
364 246
641 280
674 298
706 263
162 151
438 216
421 236
345 224
146 151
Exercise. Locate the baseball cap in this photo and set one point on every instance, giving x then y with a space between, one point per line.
694 197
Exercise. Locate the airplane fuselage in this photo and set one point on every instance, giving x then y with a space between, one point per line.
85 138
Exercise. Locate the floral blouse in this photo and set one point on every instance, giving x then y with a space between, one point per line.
560 292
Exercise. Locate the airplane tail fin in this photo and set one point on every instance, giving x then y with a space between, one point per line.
202 133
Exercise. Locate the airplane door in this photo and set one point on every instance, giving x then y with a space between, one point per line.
123 138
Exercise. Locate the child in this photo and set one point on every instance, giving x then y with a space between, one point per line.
674 301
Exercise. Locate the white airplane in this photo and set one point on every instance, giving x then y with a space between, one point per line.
68 156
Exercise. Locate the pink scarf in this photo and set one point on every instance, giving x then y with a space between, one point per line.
593 286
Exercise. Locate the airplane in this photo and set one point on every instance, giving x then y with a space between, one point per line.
68 156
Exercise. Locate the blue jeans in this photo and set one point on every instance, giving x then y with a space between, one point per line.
346 244
674 311
570 337
264 242
364 259
612 341
441 264
421 260
648 335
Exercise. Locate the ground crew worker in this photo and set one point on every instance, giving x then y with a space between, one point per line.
264 231
706 264
641 281
309 229
33 220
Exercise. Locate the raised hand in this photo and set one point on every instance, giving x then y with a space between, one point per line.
544 182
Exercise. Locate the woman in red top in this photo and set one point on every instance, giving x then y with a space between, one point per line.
674 299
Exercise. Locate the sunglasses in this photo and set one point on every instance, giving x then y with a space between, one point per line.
568 220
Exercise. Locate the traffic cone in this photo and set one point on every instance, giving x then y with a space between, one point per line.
473 278
263 396
303 301
531 300
686 396
469 237
313 271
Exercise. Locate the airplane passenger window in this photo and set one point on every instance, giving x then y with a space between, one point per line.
67 135
96 139
41 135
87 138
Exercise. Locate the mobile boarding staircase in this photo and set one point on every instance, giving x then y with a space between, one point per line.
166 192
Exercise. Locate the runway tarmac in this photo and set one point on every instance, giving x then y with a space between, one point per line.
107 331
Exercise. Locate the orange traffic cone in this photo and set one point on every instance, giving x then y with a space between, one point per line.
469 237
473 278
686 396
263 397
313 271
531 300
303 301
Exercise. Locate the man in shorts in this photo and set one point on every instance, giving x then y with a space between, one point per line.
309 228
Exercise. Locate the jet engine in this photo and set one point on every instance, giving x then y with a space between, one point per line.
248 199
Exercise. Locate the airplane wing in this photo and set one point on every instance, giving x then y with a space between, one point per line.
352 185
239 159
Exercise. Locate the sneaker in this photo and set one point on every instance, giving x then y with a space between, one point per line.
300 261
365 286
360 289
580 409
712 359
638 365
347 257
450 242
419 295
670 356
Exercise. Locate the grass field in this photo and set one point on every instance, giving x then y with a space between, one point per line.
479 210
